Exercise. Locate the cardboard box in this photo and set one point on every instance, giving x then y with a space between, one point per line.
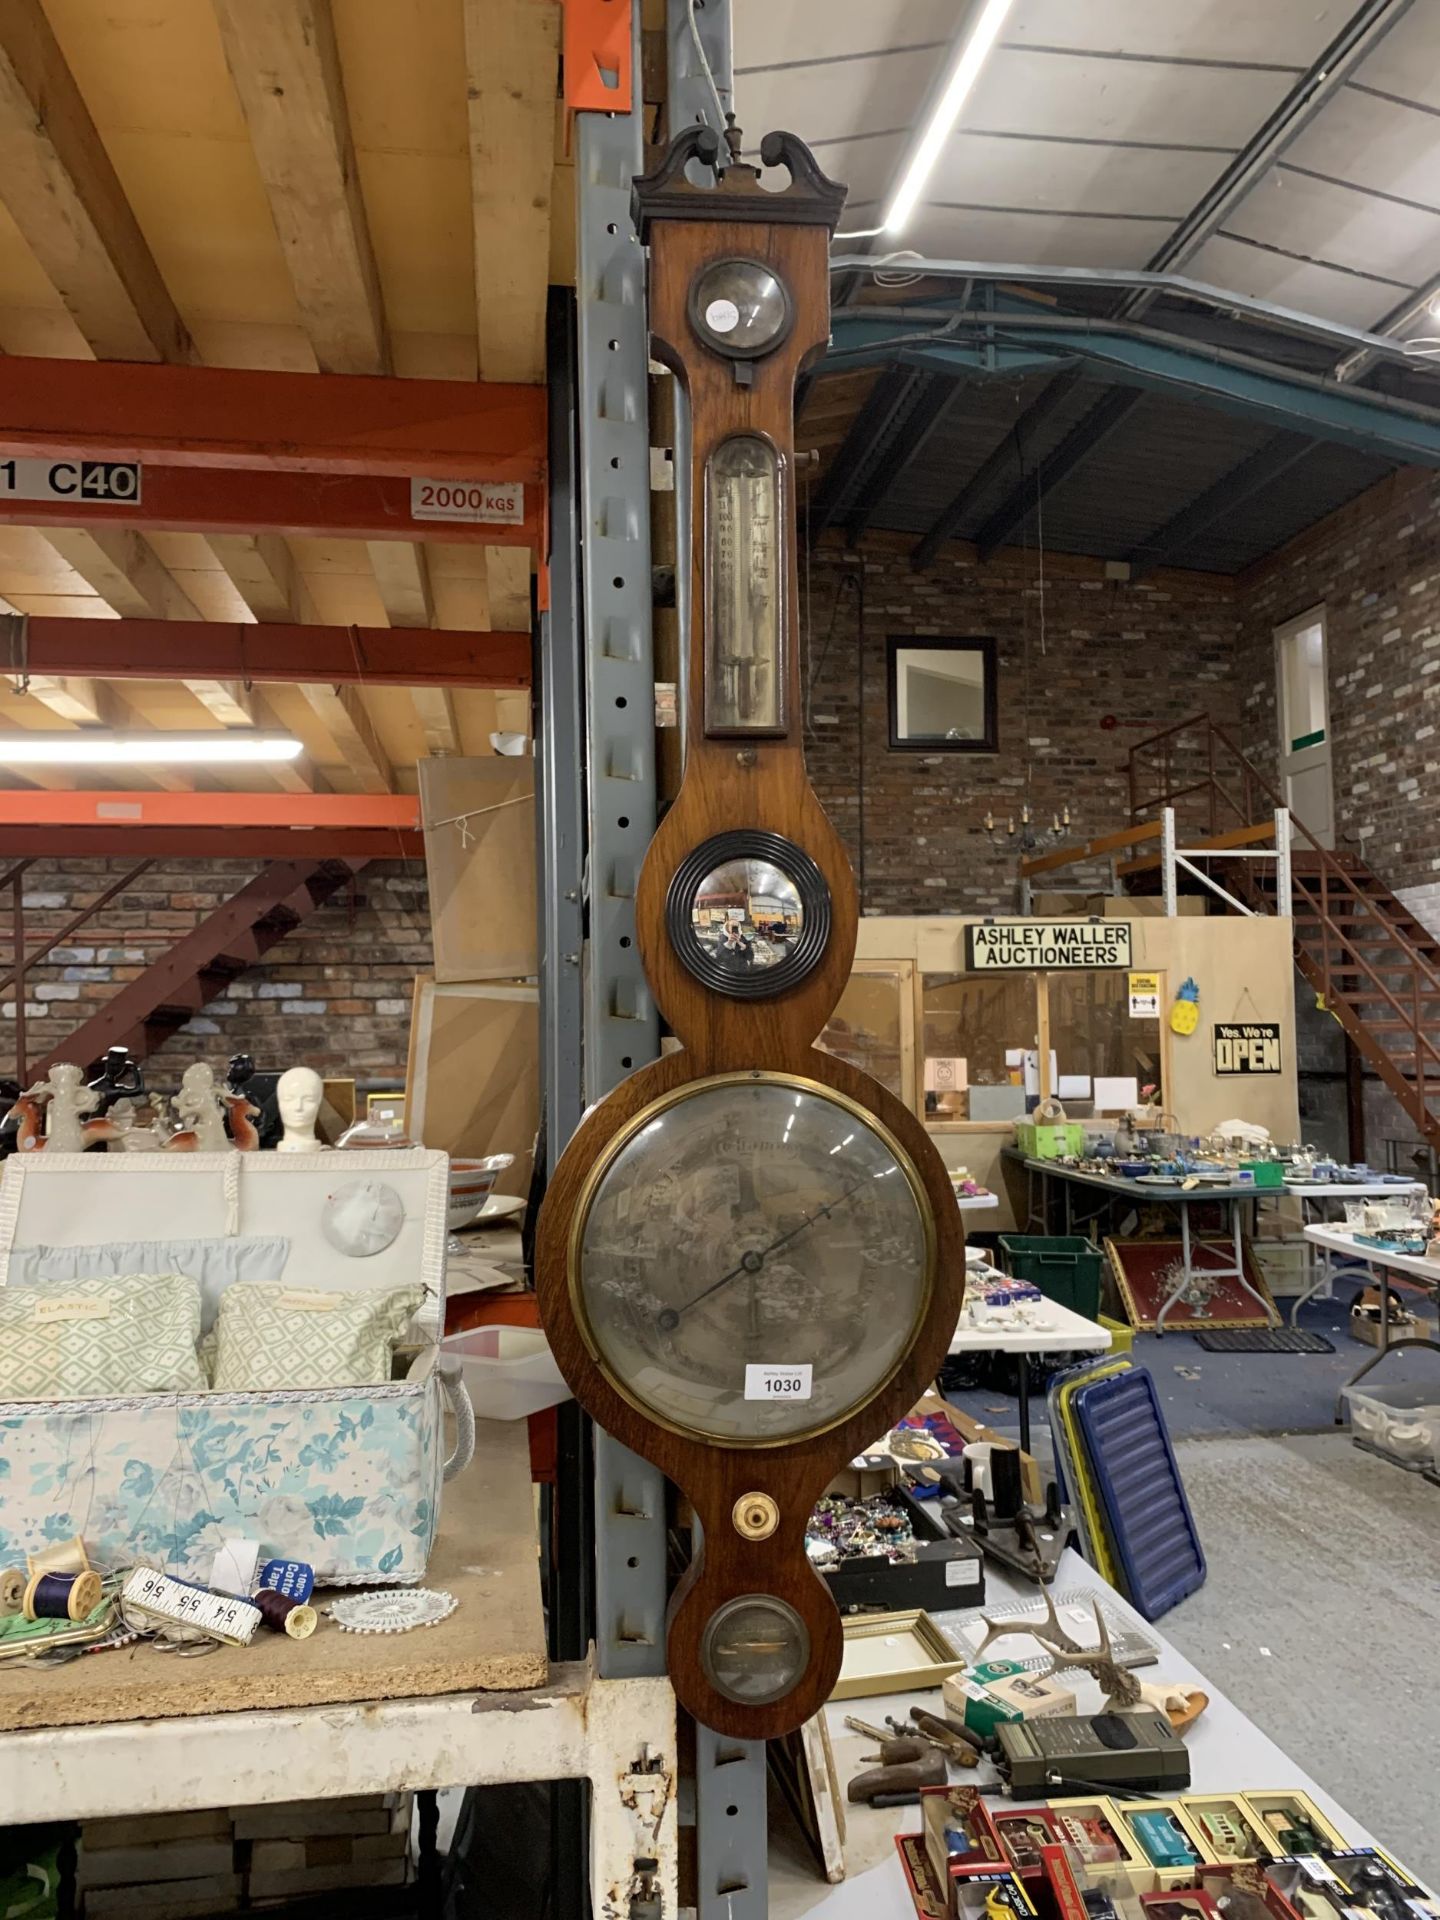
1228 1832
1287 1880
1031 1484
1022 1832
1365 1321
948 1811
1373 1880
1098 1839
1281 1820
969 1701
1032 1696
1180 1903
976 1892
923 1884
1160 1833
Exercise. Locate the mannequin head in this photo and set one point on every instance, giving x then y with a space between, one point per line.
298 1093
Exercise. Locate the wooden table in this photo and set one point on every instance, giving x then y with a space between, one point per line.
471 1702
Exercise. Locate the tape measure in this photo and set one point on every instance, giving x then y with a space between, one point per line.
155 1596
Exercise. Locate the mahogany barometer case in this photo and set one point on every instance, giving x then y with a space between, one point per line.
749 1260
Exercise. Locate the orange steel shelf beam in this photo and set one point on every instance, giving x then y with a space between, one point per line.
278 650
121 842
302 814
296 422
346 506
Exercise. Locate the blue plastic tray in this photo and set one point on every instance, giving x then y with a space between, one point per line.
1151 1527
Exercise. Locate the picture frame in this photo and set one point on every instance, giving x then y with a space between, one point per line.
893 1653
906 677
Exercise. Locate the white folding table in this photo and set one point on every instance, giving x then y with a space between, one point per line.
1069 1332
1347 1253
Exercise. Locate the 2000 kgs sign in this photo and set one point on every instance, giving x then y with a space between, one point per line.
1013 946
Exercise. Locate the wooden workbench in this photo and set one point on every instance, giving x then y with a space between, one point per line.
486 1555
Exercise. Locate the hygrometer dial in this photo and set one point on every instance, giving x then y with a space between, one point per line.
740 308
752 1259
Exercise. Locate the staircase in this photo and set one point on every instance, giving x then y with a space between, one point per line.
201 966
1374 966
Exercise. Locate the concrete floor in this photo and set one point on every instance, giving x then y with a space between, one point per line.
1321 1617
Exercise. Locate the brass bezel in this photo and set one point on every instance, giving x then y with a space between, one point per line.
616 1145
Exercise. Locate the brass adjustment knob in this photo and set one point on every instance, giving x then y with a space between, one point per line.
756 1516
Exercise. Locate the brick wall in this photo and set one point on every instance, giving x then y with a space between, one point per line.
1375 566
1118 662
334 996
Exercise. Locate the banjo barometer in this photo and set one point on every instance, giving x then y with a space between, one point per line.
749 1259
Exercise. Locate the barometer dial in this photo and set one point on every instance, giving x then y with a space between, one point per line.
752 1259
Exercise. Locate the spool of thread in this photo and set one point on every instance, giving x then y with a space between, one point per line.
61 1596
12 1590
281 1614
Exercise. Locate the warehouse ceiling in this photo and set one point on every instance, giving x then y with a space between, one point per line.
338 187
1285 153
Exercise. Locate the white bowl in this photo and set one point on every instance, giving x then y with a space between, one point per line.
471 1182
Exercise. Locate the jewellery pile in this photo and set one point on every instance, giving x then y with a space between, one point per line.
843 1529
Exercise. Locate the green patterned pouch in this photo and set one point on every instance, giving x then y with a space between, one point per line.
112 1335
269 1336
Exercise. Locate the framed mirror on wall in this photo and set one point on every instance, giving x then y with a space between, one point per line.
942 695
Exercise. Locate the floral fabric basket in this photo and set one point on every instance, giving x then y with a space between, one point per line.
348 1479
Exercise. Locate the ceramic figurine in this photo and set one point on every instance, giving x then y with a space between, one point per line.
201 1113
66 1100
298 1094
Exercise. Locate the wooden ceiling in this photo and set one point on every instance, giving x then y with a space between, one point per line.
321 186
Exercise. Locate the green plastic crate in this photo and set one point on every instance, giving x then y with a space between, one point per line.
1048 1143
1268 1173
1065 1268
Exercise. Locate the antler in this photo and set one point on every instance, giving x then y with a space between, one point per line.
1049 1632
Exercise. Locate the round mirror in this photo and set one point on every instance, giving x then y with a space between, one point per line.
748 913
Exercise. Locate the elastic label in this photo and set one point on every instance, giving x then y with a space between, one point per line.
312 1302
293 1578
962 1573
778 1383
74 1306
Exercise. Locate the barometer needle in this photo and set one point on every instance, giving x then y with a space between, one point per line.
752 1262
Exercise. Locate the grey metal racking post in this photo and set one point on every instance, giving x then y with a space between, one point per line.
621 1025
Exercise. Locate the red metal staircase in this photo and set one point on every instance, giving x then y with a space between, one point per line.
1373 964
201 965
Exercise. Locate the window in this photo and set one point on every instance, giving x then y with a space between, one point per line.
873 1027
975 1021
942 695
1095 1038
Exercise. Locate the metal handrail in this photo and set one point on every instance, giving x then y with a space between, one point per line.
1330 867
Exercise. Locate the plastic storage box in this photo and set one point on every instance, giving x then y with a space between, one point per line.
509 1372
1064 1267
1402 1422
1268 1173
1048 1143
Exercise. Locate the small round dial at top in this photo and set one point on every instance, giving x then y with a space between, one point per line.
752 1258
740 308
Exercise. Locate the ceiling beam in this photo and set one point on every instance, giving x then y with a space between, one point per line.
120 841
833 495
1230 492
262 570
289 422
1419 305
997 466
1084 438
402 574
63 194
341 710
286 67
1356 40
926 406
371 656
134 582
512 59
83 702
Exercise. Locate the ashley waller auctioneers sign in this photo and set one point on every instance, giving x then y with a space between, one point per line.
1013 946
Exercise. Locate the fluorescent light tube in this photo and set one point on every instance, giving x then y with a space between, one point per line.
963 74
98 747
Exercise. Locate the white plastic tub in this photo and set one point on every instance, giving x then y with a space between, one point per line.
1402 1422
509 1371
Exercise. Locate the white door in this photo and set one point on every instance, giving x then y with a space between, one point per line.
1304 708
